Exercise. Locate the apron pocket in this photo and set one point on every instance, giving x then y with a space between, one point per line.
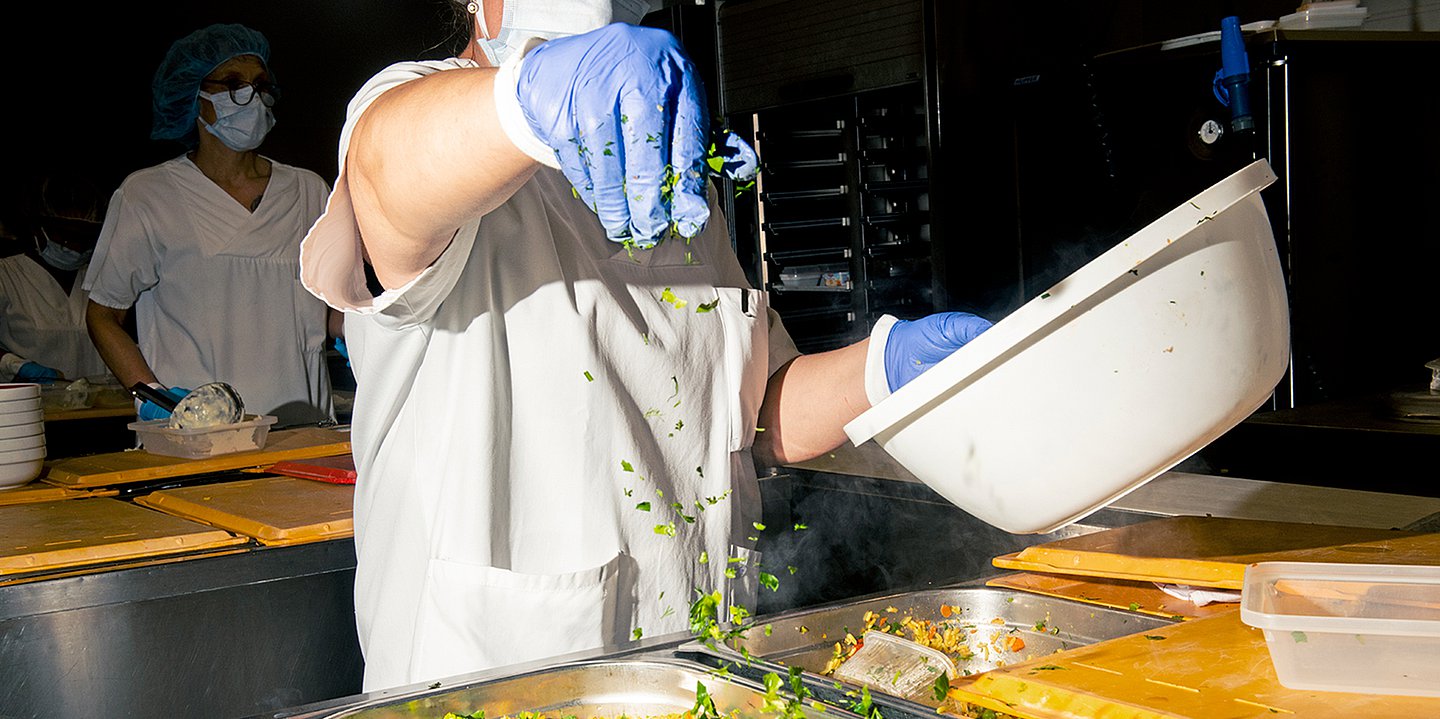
474 617
742 312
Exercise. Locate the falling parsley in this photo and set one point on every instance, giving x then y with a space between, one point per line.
667 529
643 506
669 298
769 581
707 307
626 466
635 635
588 377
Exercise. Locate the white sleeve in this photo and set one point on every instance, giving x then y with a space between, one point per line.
126 260
332 256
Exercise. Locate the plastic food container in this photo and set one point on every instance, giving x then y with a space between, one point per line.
1116 374
244 436
1368 628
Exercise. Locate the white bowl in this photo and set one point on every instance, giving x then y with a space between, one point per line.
29 429
18 443
18 390
11 406
17 474
22 455
15 419
1114 375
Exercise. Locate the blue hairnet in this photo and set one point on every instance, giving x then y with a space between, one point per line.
189 60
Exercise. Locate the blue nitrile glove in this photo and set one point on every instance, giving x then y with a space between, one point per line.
623 110
36 372
901 350
342 349
149 410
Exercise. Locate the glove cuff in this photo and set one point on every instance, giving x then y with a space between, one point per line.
877 387
10 364
512 116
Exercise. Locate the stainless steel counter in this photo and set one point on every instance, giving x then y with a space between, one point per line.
224 635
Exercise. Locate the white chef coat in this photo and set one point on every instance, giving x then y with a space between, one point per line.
216 288
40 322
516 402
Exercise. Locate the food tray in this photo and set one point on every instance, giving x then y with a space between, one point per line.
633 688
158 438
1365 628
1045 625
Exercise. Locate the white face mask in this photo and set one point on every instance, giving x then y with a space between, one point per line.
549 19
240 127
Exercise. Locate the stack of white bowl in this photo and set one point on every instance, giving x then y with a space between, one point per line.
22 434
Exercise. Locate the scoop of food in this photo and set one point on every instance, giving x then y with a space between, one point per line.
209 405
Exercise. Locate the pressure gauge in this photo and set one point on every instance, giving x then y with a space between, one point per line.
1210 132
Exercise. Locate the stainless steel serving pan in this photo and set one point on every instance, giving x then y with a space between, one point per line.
806 638
635 688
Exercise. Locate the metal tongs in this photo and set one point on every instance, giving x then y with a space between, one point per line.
144 392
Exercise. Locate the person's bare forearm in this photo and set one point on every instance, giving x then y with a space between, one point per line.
426 158
808 402
121 354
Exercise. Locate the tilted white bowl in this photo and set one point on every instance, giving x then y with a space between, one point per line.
1116 374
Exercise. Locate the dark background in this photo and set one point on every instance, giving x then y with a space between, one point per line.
77 77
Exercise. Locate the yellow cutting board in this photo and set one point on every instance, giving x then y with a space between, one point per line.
1212 668
1117 593
274 510
51 535
99 470
41 492
1214 551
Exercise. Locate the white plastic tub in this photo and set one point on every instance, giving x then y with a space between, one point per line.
1109 378
1368 628
157 438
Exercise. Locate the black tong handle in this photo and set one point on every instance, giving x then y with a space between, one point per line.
146 392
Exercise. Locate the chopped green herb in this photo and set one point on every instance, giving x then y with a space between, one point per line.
1045 295
704 557
758 526
1155 637
941 688
1299 637
637 633
1134 606
669 297
801 527
792 569
588 377
769 581
643 506
1048 668
708 306
626 466
667 529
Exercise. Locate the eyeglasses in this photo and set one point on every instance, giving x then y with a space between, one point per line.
242 92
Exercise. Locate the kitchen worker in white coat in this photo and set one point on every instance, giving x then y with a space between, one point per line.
560 385
205 247
43 262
